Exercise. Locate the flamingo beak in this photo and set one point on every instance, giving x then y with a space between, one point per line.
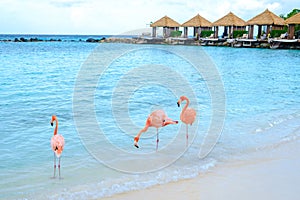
178 104
51 123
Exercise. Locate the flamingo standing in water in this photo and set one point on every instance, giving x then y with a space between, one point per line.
157 119
57 144
187 115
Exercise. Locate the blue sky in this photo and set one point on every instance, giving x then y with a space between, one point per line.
119 16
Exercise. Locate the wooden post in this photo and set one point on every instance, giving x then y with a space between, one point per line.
216 31
199 32
153 31
185 32
259 31
250 31
268 29
291 31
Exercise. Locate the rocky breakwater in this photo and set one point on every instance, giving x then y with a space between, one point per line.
151 40
93 40
35 39
121 40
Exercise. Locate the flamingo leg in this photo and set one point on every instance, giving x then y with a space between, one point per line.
187 136
59 168
54 166
157 139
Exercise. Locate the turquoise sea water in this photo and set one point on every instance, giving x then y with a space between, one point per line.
262 99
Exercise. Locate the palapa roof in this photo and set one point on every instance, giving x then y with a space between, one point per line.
266 18
230 20
197 21
295 19
165 22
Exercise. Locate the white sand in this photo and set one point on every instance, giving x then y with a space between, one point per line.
267 174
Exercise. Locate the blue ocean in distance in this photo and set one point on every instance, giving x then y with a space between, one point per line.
63 38
262 88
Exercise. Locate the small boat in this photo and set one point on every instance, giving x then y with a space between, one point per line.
237 44
285 40
275 43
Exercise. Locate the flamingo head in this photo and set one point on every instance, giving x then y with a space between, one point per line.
167 122
179 102
53 119
181 99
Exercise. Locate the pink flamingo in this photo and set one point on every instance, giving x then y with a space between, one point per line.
187 115
57 144
157 119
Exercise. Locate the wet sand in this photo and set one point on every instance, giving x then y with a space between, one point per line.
272 173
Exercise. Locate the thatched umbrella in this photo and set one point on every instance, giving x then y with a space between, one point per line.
199 23
266 18
167 23
230 20
291 22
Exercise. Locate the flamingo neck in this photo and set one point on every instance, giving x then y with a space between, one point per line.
186 105
56 127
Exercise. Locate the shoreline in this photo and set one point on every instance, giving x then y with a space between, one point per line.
268 174
271 43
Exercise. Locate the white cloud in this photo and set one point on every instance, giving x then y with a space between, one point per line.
66 3
117 16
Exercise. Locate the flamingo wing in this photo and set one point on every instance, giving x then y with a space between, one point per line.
189 116
157 118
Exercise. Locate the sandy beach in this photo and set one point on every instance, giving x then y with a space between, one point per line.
267 174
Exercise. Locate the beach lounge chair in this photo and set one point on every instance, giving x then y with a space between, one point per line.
263 37
245 36
282 36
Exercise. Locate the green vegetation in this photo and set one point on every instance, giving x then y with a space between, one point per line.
176 33
277 33
239 33
292 13
206 33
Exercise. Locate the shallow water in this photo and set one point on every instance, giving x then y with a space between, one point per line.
102 95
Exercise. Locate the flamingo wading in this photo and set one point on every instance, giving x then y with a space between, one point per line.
57 144
157 119
187 115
